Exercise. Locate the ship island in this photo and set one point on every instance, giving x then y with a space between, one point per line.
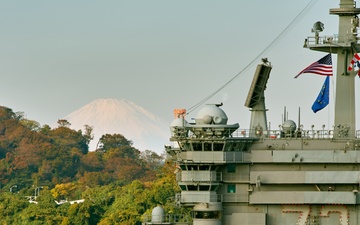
257 176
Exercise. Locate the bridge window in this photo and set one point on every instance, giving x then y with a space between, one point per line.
231 188
231 168
206 214
183 167
204 167
183 187
207 146
213 187
204 187
192 187
192 167
218 146
197 146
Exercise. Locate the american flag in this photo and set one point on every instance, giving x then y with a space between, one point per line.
321 67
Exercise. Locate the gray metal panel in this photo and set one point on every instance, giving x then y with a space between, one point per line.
275 177
261 156
308 197
206 222
190 176
242 197
195 156
246 218
315 156
345 177
199 196
235 156
305 177
213 157
306 156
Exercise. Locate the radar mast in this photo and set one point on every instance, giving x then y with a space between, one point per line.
344 45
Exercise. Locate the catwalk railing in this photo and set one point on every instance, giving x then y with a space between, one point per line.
165 219
342 132
330 40
298 134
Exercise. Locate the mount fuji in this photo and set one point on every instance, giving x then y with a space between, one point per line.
112 116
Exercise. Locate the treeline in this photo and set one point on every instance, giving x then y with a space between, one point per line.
43 169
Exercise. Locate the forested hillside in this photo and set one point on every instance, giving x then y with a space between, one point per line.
43 169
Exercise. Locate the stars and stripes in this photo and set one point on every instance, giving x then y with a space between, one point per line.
321 67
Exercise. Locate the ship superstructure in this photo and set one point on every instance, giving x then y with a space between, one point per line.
258 176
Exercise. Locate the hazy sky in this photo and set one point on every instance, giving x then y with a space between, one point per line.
57 56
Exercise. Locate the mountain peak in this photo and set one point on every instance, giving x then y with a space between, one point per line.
113 116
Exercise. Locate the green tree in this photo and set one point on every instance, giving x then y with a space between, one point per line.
127 207
10 206
152 158
63 123
68 138
45 129
6 113
93 179
92 209
111 141
93 162
88 133
30 124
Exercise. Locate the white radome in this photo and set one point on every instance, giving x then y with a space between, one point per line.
211 114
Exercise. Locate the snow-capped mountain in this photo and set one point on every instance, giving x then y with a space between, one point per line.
112 116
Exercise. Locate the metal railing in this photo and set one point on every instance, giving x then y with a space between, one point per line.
166 219
299 134
329 40
312 133
212 157
197 197
198 176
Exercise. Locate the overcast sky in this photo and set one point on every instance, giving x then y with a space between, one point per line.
57 56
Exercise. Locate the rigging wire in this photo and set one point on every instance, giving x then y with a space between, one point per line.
281 36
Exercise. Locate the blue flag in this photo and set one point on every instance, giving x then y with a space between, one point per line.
323 98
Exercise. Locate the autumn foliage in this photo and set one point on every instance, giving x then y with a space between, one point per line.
118 182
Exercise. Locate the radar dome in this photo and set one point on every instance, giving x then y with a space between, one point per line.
178 122
157 215
289 126
211 114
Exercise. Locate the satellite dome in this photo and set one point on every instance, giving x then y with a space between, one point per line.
157 215
178 122
289 126
211 114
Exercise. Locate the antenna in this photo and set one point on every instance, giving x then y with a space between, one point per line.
299 117
317 28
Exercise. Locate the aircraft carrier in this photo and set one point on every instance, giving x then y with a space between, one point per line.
292 175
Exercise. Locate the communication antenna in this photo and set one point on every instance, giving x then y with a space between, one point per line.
317 28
